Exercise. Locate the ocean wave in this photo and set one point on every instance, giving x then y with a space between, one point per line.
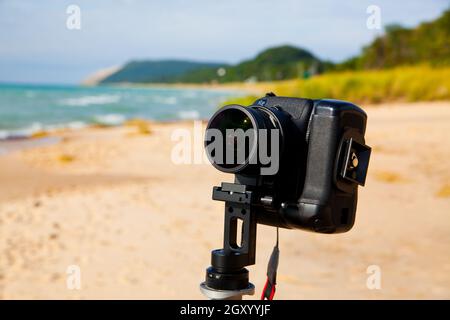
165 100
75 125
91 100
190 94
37 127
188 114
113 119
30 94
21 133
4 134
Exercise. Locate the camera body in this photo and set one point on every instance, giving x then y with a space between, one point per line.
322 158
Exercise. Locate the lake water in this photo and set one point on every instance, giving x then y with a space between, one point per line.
26 109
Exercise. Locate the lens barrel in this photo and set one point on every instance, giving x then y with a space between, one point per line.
233 136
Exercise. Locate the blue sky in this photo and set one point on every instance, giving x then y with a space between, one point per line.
36 46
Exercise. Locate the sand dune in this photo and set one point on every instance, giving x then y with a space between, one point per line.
97 77
111 202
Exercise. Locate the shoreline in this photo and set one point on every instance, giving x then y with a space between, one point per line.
103 105
250 88
51 136
11 145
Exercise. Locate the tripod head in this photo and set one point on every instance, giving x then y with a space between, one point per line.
227 272
297 164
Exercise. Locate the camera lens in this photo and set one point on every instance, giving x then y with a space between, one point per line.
231 119
231 140
232 137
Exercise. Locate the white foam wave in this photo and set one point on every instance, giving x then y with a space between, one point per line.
90 100
30 94
4 134
36 127
166 100
75 125
21 133
188 114
112 119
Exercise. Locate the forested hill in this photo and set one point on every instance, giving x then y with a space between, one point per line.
429 43
156 71
277 63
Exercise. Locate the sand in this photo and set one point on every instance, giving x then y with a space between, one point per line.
110 201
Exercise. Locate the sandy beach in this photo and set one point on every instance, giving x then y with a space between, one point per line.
110 201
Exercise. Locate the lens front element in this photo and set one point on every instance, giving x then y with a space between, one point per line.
231 138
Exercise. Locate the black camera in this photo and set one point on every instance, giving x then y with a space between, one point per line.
321 160
297 164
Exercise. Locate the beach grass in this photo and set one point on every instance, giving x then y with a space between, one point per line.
408 84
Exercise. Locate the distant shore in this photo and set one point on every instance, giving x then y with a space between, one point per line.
399 84
248 87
